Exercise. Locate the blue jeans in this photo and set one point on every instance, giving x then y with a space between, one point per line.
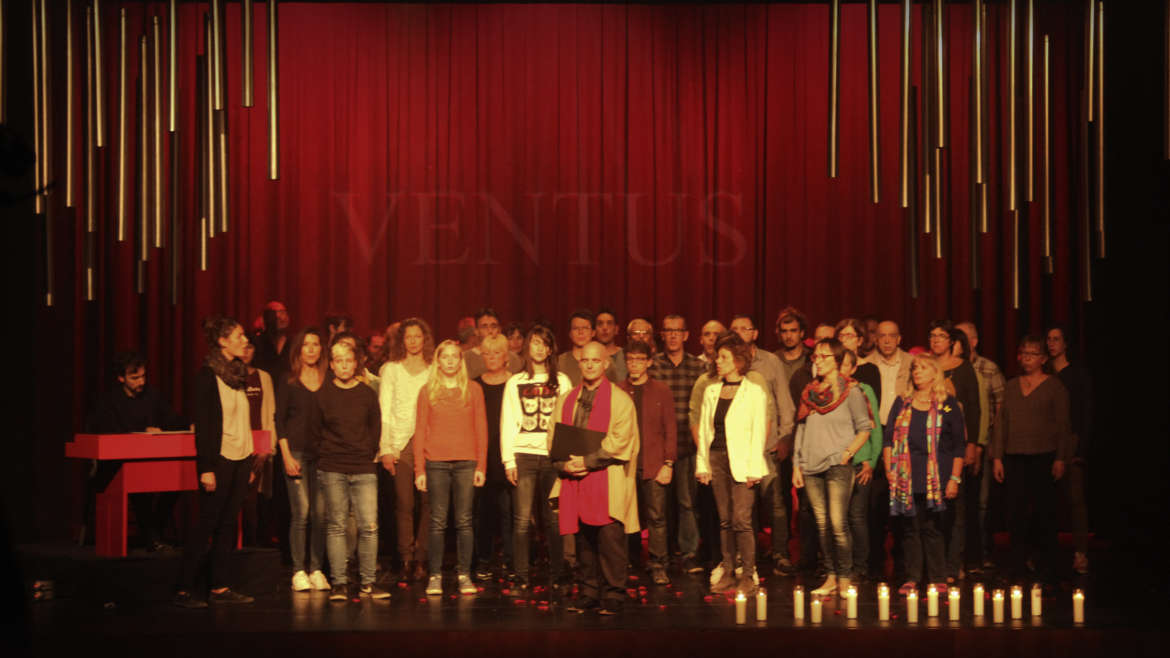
859 524
305 502
447 480
828 495
340 491
685 485
535 478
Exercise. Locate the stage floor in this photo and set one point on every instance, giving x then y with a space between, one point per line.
126 601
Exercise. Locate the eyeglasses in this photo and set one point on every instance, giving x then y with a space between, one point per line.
846 335
640 332
821 357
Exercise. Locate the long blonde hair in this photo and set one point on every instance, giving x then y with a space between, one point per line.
435 383
938 386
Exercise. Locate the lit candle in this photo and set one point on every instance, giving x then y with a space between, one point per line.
798 602
953 599
883 602
740 608
912 607
997 606
815 610
1078 606
977 600
1017 602
932 601
1037 600
851 602
761 605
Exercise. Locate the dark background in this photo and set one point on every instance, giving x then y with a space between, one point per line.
375 101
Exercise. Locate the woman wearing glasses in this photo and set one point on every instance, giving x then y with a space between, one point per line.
833 423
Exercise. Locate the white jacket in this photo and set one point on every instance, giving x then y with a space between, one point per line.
398 397
747 429
525 428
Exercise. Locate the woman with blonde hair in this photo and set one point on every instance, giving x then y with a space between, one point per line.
450 457
924 435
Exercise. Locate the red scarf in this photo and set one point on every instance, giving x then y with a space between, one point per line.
818 397
587 499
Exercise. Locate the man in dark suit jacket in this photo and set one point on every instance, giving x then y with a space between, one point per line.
658 429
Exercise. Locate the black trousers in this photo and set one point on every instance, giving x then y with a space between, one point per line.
602 553
1032 496
215 532
923 541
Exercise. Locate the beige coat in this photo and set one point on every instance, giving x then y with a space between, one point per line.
621 442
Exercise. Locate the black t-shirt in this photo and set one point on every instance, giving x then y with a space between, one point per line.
117 413
493 401
719 443
348 427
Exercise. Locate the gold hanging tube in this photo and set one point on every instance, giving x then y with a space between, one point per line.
1047 157
143 153
99 86
273 95
221 136
90 134
246 55
46 104
69 101
201 139
984 219
38 183
1012 66
904 154
926 129
172 66
217 54
1100 130
122 109
874 145
1030 169
940 112
209 160
1090 54
834 80
157 127
938 203
977 87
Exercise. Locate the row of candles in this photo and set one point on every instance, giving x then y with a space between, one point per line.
932 596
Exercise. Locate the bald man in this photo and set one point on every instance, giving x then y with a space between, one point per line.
597 492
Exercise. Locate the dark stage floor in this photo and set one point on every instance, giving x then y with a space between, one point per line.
124 603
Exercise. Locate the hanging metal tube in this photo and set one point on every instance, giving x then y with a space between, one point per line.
46 88
201 151
144 212
246 54
90 135
69 101
1165 81
940 68
122 120
156 124
977 87
904 155
926 130
209 159
911 222
221 136
1015 255
834 80
1012 66
172 66
1100 130
875 182
1084 228
176 241
1090 54
99 69
38 181
217 53
273 95
3 66
984 220
1047 157
1030 175
938 204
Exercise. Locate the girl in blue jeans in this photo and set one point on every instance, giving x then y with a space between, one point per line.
450 458
833 423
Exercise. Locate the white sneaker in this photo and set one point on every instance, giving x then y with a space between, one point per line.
300 582
318 581
466 586
828 587
435 585
717 573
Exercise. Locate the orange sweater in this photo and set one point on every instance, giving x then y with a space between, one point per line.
450 429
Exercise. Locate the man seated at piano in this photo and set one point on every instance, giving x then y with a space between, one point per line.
132 406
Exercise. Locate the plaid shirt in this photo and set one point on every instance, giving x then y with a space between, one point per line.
993 381
680 380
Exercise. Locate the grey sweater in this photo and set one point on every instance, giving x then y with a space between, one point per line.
822 438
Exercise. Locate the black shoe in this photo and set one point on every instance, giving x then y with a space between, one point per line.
185 600
583 605
659 576
228 597
783 567
159 547
483 572
339 593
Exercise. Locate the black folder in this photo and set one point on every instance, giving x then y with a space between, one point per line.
573 440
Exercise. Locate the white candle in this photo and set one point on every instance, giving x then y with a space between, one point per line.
798 602
883 602
740 608
1017 602
851 602
761 605
932 601
815 610
912 606
1078 607
1037 600
977 600
953 600
997 606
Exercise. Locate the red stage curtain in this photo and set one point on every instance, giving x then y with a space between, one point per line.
539 158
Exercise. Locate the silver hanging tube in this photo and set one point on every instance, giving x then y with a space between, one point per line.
273 94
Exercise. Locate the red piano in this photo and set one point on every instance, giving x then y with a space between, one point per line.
150 462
